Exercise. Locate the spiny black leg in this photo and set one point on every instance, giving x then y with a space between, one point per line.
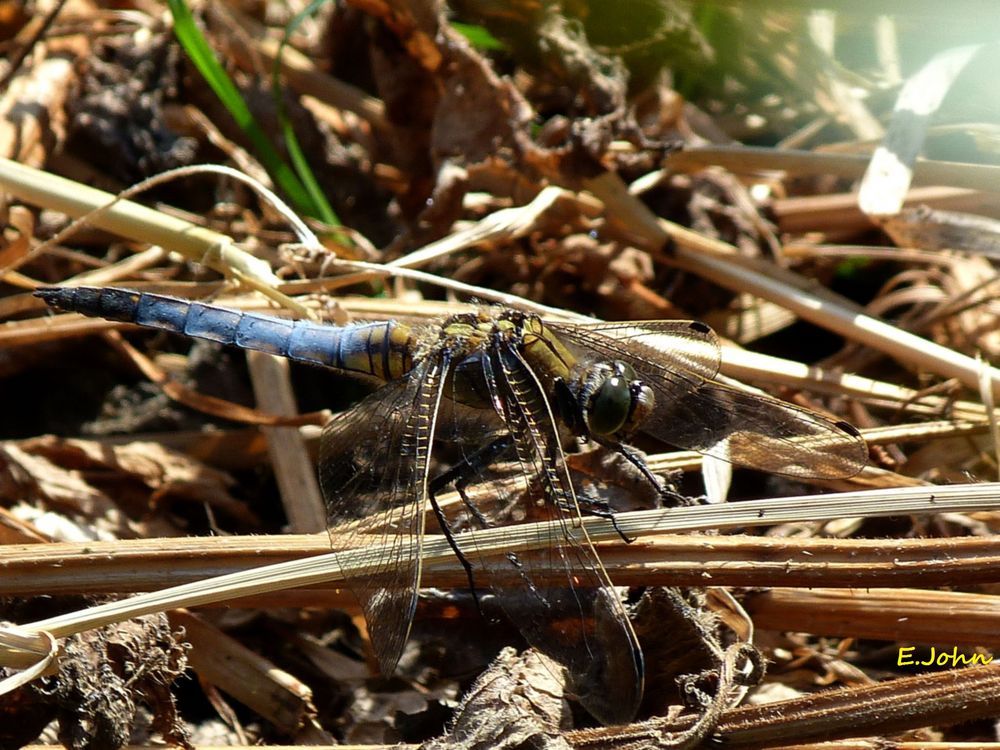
449 536
461 475
600 509
632 456
471 466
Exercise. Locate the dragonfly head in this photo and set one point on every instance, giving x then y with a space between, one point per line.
610 401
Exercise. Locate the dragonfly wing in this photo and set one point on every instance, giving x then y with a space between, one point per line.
689 347
560 597
677 359
373 469
757 431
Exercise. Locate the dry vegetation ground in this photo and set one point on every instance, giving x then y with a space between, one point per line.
750 165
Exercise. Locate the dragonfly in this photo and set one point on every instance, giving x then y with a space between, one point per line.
506 387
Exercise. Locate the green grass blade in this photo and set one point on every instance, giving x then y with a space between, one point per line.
478 36
203 57
298 159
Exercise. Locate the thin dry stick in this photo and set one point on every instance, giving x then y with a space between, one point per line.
254 681
839 212
293 469
892 706
506 224
128 219
127 566
907 615
742 159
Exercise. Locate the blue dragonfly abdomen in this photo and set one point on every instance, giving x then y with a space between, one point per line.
382 350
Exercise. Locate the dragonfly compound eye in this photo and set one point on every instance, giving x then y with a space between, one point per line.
610 405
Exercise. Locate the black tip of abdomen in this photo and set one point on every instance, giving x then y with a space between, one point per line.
114 304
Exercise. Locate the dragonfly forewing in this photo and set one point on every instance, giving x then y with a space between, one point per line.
691 348
760 432
677 360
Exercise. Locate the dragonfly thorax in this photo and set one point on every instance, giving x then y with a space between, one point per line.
609 401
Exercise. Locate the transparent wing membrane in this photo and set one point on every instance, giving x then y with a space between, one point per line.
762 432
677 360
688 347
374 471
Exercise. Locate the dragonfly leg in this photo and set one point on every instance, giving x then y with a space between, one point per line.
594 506
461 475
464 473
449 535
667 495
